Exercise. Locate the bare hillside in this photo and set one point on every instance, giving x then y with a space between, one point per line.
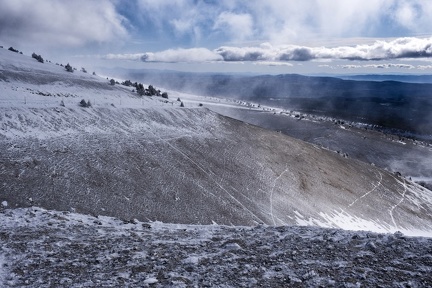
150 159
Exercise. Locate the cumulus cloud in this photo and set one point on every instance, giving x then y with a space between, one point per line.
136 56
58 22
269 63
380 66
171 56
380 50
182 55
266 53
390 65
424 67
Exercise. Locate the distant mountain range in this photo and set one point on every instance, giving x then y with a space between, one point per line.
389 77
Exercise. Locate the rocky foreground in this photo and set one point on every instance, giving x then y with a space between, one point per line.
41 248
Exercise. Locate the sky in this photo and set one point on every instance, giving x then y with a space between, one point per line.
256 36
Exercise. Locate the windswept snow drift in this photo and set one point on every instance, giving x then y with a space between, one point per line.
149 159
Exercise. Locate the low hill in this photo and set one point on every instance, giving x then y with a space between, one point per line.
150 159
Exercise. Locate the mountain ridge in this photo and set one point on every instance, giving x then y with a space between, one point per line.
148 158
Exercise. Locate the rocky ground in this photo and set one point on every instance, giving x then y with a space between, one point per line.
150 159
41 248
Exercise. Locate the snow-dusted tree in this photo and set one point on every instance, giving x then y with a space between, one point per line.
127 83
83 70
38 57
151 91
165 95
181 104
69 68
140 89
112 82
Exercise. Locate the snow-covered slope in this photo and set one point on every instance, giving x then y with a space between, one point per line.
134 157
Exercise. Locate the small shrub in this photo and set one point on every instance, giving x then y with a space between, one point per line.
181 104
112 82
13 50
69 68
83 70
165 95
84 104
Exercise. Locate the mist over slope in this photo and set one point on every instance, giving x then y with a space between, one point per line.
150 159
390 104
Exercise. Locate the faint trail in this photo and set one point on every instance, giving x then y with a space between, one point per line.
210 177
224 157
370 191
400 201
271 194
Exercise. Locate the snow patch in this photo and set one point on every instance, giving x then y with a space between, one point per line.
343 220
151 280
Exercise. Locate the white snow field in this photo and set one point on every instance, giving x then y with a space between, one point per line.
149 159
